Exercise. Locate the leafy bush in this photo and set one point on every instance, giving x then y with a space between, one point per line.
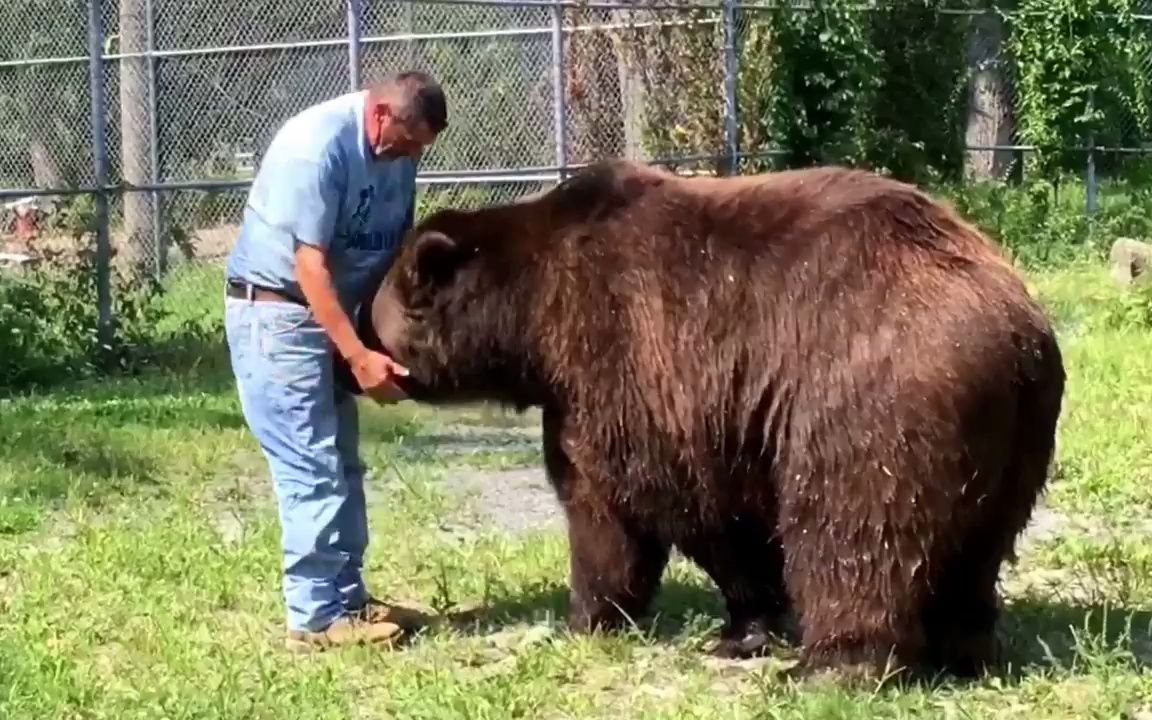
49 322
1043 223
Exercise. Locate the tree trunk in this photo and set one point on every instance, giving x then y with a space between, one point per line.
990 120
134 131
46 171
46 146
593 112
631 82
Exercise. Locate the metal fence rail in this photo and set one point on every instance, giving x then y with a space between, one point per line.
139 122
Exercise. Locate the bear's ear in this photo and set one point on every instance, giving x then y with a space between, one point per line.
435 259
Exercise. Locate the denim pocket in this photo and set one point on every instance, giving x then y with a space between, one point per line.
294 348
285 317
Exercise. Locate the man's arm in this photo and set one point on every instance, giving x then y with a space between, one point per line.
316 283
373 371
306 208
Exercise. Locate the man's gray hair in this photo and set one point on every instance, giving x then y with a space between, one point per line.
414 97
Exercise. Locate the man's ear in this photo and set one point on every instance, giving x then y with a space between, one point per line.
435 259
382 110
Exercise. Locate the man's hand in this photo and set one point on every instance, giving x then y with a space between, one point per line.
375 372
372 370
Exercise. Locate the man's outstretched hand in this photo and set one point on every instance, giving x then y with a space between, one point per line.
375 373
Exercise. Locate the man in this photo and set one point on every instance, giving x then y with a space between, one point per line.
334 194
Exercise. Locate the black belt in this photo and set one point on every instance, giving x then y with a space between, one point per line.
247 291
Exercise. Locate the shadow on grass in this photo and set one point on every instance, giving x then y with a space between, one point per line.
440 446
90 465
677 603
175 364
1039 636
97 439
1070 635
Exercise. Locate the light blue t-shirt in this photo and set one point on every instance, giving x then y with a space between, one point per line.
319 184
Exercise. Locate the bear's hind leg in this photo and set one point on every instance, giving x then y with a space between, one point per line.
858 592
962 614
879 644
960 619
615 569
747 564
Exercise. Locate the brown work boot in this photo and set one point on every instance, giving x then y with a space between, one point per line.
344 630
408 618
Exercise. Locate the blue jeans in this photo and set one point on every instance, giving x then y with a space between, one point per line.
309 434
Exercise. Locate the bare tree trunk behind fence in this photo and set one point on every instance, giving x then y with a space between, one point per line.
99 127
632 88
990 120
135 154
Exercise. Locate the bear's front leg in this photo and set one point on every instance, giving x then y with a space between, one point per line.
615 569
615 565
746 562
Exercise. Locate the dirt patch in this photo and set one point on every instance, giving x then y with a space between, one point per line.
515 501
522 499
461 440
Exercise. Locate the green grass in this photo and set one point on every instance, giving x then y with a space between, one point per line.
138 570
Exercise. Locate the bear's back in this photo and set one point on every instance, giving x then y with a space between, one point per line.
692 308
637 215
692 248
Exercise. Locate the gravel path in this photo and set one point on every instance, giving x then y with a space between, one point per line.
520 499
513 500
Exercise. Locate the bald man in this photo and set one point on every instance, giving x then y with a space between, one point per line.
334 195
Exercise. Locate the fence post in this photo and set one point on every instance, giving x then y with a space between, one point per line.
1090 171
559 112
1090 179
354 13
100 170
730 69
154 140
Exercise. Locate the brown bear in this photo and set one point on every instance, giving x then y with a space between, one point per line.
822 386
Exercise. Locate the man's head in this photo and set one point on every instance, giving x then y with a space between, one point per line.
404 113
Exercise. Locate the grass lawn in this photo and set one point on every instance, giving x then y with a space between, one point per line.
139 568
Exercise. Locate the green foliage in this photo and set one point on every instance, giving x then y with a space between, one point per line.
914 127
1132 310
825 78
49 320
887 87
1079 76
683 54
49 323
843 83
1042 223
826 84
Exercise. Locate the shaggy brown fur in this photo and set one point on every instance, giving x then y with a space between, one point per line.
822 386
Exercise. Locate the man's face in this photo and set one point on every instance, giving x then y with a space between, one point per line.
396 139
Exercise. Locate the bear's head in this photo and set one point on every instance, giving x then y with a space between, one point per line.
475 298
452 309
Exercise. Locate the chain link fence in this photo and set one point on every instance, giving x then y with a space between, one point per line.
129 129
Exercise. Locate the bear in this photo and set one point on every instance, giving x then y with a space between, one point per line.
823 386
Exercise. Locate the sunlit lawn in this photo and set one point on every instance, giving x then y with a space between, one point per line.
138 573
